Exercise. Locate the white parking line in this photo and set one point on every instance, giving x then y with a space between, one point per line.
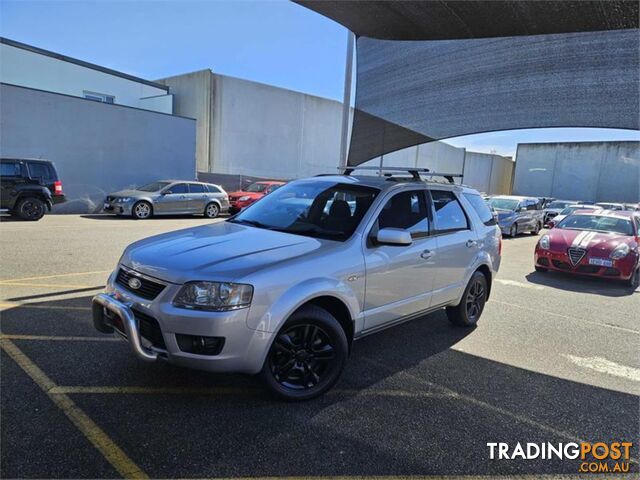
514 283
603 365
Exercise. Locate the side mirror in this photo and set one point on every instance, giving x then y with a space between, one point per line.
521 209
394 236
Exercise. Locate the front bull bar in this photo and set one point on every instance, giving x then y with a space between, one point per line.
104 301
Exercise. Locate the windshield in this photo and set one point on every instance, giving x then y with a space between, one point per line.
153 186
570 210
559 204
503 203
311 208
597 223
257 187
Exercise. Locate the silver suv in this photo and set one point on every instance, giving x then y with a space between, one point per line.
169 197
284 287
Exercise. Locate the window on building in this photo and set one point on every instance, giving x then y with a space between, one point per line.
99 97
450 216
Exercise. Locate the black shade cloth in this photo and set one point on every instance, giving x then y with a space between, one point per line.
433 70
445 20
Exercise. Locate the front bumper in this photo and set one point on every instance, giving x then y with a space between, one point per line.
243 349
559 261
119 208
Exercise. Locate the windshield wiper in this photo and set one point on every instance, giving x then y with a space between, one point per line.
253 223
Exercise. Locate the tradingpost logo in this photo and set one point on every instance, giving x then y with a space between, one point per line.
594 457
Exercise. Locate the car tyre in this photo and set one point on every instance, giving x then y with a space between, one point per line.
536 231
307 355
541 269
513 231
30 208
468 311
634 281
212 210
141 210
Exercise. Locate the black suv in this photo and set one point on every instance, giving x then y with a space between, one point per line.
28 187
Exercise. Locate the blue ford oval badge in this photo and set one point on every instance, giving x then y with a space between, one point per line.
134 283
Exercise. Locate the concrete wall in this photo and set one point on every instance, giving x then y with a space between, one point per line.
248 128
592 171
488 173
97 148
30 69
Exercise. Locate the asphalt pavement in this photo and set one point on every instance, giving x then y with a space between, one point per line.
553 359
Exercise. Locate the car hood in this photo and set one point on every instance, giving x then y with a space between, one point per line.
129 193
222 251
599 243
240 193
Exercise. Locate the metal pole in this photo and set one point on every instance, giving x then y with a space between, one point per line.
346 100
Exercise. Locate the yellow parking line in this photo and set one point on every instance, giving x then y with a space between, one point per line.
58 338
77 274
6 305
136 390
8 283
114 455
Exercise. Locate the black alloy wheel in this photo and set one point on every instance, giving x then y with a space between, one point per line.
513 231
634 281
468 311
536 230
31 209
475 299
307 355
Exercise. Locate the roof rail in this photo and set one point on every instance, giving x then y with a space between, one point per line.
415 172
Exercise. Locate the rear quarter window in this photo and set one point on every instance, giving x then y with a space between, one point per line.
40 170
450 216
481 208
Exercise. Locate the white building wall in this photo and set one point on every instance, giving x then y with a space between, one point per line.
34 70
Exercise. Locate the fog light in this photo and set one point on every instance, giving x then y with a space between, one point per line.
199 345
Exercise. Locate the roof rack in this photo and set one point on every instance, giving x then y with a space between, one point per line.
415 172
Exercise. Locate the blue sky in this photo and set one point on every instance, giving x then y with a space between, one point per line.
274 42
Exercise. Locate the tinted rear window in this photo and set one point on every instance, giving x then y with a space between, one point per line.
481 208
40 170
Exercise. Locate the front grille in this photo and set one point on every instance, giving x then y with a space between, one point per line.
150 329
576 254
561 265
543 261
588 269
148 289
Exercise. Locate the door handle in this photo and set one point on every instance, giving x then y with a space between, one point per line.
426 254
471 243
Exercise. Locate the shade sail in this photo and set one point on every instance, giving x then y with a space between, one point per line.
434 70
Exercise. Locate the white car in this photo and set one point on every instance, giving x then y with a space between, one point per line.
568 211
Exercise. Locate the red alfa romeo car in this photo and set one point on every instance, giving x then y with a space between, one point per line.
243 198
604 244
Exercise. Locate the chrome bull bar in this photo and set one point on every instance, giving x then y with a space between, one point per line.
104 301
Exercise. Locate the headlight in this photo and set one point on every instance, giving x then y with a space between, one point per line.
544 242
620 251
214 296
242 199
124 199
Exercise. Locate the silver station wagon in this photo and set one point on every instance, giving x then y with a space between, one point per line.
169 197
285 287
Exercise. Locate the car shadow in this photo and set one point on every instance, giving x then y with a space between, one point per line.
580 284
406 402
